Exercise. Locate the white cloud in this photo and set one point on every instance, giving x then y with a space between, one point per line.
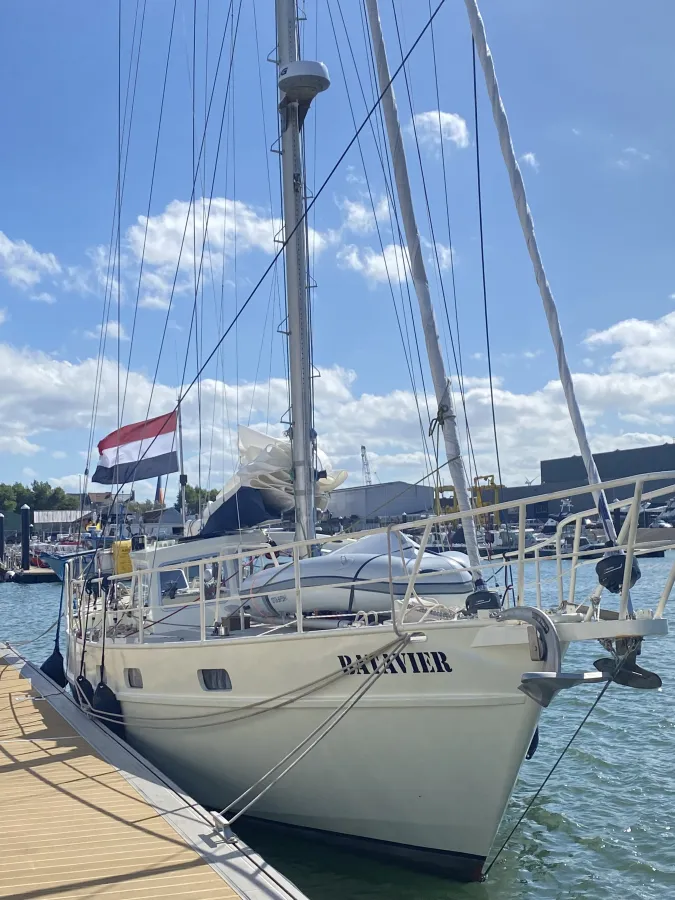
27 472
446 256
24 266
4 315
630 157
358 214
230 223
113 330
626 406
515 356
70 483
434 126
644 345
529 159
633 151
44 297
375 266
354 177
153 301
652 419
18 445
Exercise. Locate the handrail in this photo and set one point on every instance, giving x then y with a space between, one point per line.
243 558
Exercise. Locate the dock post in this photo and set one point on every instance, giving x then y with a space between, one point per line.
2 538
25 537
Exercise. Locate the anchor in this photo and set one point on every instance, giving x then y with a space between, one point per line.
543 686
623 667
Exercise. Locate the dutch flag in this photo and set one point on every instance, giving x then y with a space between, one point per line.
140 451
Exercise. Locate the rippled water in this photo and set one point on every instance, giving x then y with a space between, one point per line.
604 826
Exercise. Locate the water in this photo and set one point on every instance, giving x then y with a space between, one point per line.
604 826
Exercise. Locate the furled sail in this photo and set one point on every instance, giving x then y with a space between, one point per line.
261 488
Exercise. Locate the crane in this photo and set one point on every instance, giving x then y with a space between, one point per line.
365 466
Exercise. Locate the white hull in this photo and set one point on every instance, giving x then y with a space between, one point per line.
425 762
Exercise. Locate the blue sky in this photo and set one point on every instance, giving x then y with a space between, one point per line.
587 88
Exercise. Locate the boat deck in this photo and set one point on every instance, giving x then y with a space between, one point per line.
83 815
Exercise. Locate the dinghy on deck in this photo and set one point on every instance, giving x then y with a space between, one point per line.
355 577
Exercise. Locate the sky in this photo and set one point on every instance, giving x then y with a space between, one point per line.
588 89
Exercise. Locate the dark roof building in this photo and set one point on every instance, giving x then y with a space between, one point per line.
568 472
616 464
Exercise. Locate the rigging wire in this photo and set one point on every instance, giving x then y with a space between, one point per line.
197 318
275 278
234 32
375 217
459 361
119 220
482 262
555 765
220 304
187 219
121 401
205 240
403 268
109 278
149 206
392 211
113 246
319 192
428 210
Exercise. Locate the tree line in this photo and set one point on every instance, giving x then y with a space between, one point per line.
40 495
196 498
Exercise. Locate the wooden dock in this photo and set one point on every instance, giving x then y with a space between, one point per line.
83 815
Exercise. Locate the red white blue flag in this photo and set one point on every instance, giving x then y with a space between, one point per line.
140 451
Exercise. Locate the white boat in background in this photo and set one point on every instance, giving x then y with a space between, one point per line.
377 696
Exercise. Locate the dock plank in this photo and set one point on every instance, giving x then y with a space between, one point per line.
72 826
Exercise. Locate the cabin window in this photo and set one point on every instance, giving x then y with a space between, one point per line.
134 678
214 680
172 581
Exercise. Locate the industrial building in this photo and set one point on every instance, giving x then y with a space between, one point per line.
565 473
370 502
396 498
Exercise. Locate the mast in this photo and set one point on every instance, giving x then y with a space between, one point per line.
446 416
299 82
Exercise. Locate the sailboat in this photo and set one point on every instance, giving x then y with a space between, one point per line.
397 725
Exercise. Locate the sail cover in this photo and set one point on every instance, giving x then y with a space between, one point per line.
135 452
262 487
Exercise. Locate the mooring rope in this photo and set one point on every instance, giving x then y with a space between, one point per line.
205 720
312 739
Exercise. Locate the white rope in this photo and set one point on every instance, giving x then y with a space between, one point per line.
314 737
525 216
208 720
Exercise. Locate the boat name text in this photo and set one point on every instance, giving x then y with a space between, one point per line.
432 662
